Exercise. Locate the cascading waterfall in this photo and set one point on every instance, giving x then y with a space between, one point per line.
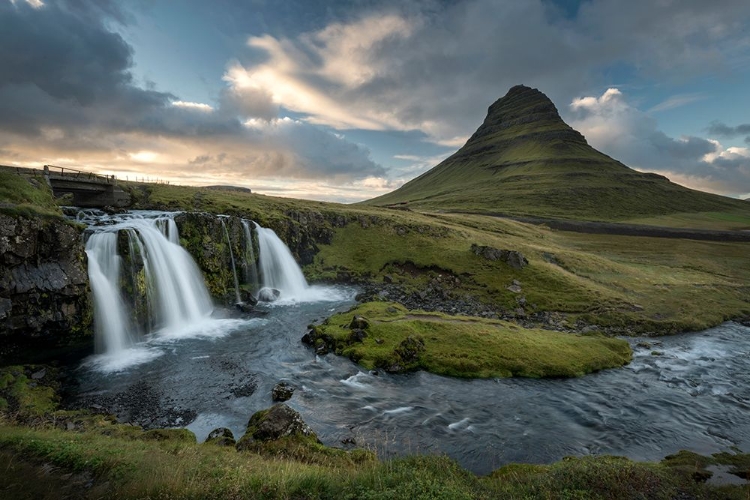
168 228
234 267
110 319
251 266
176 293
278 268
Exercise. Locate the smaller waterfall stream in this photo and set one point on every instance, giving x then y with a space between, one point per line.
278 268
251 266
234 266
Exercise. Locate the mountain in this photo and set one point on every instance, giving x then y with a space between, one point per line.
525 160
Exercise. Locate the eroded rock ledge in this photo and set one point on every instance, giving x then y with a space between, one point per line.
43 279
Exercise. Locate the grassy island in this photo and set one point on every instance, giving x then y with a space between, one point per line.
388 336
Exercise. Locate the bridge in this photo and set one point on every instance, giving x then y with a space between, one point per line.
89 190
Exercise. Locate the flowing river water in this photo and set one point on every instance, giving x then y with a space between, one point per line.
694 395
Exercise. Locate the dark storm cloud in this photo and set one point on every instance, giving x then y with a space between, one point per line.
66 54
724 130
689 148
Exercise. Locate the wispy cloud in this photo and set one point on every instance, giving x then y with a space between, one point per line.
677 101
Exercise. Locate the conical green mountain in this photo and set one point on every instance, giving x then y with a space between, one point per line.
525 160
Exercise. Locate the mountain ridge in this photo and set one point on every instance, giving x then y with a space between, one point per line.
525 160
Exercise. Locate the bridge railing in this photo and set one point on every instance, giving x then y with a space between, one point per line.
61 173
68 172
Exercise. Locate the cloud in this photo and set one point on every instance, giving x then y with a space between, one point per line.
677 101
436 66
67 90
67 94
619 129
723 130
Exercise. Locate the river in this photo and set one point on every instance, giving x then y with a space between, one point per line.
695 394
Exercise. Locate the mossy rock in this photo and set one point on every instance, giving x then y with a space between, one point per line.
177 435
221 437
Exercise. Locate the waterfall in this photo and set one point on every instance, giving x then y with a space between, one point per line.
110 320
168 228
175 290
251 266
234 267
278 268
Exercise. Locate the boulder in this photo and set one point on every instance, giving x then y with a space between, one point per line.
516 260
357 335
221 437
268 294
359 323
513 258
244 307
407 354
247 297
282 391
277 422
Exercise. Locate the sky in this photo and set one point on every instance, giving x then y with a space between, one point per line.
346 100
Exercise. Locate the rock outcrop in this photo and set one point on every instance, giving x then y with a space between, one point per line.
44 289
279 421
203 236
513 258
282 391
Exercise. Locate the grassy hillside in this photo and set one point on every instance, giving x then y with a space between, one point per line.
524 160
27 195
621 283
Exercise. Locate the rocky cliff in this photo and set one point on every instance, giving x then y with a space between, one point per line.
203 235
43 280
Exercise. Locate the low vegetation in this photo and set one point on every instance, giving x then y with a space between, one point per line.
387 336
26 196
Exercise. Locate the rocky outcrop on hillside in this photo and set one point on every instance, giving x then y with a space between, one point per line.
43 279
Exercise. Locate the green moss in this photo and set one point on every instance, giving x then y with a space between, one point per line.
467 347
26 397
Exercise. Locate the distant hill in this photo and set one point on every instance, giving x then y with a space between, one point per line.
525 160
